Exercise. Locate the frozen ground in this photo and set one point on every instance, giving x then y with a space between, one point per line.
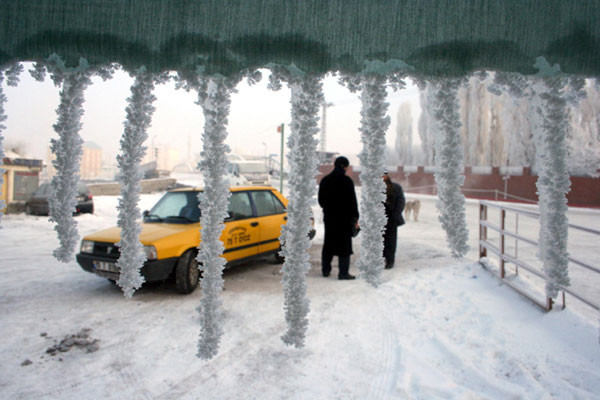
437 328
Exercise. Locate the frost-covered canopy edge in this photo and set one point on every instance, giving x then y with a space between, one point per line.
444 38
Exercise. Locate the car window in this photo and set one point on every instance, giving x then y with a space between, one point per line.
266 203
177 204
239 206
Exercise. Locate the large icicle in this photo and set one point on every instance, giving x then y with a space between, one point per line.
553 184
215 104
449 169
214 96
374 125
306 99
12 79
139 118
68 151
2 127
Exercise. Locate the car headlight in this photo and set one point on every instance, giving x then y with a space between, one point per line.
150 252
87 246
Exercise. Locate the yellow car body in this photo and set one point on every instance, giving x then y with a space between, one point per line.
256 215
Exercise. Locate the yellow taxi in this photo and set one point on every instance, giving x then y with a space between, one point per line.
171 234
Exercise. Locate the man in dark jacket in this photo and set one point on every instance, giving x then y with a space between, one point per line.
394 206
340 210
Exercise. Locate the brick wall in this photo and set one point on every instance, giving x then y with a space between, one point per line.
585 191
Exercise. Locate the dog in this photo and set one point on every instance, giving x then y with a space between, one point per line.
412 206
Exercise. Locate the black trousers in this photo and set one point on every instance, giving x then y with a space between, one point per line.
390 237
343 263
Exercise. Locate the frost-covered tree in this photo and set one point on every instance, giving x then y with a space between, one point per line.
449 169
404 143
584 135
427 126
11 71
138 120
214 96
306 99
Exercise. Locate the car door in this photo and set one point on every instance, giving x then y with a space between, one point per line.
271 216
241 233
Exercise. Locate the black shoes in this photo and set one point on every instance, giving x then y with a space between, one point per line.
326 273
347 277
389 264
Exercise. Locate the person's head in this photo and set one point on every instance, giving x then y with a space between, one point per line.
341 162
386 177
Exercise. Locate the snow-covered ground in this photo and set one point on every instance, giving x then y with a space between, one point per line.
437 328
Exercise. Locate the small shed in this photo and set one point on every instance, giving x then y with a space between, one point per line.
21 177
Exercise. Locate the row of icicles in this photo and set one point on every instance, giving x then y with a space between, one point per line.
548 90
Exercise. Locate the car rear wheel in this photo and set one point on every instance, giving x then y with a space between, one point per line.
187 273
279 259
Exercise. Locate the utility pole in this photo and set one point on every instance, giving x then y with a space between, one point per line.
280 129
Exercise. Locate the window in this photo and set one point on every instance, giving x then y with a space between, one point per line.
266 203
177 204
239 206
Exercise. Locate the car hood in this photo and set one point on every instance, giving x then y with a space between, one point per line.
150 233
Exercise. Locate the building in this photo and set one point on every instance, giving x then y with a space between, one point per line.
91 161
90 166
20 179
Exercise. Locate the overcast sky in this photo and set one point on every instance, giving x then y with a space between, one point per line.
255 114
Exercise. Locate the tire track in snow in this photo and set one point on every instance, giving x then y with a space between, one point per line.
384 387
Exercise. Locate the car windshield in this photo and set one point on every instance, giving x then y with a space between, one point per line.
175 207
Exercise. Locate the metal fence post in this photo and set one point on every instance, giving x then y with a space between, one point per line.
502 226
482 230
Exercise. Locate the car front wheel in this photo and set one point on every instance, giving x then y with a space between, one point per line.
187 273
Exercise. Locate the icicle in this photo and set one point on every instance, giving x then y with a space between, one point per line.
2 127
306 99
553 184
214 93
68 150
68 147
215 104
139 118
12 72
374 125
449 175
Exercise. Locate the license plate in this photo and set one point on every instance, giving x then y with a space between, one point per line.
106 266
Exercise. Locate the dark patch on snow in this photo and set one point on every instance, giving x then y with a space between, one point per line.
81 340
26 363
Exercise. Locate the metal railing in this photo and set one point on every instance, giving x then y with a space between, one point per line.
492 193
504 258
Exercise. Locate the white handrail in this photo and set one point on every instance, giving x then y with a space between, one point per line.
484 245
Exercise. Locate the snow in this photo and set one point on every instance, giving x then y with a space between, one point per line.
437 327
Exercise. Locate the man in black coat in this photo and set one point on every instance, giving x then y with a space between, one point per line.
394 206
340 210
